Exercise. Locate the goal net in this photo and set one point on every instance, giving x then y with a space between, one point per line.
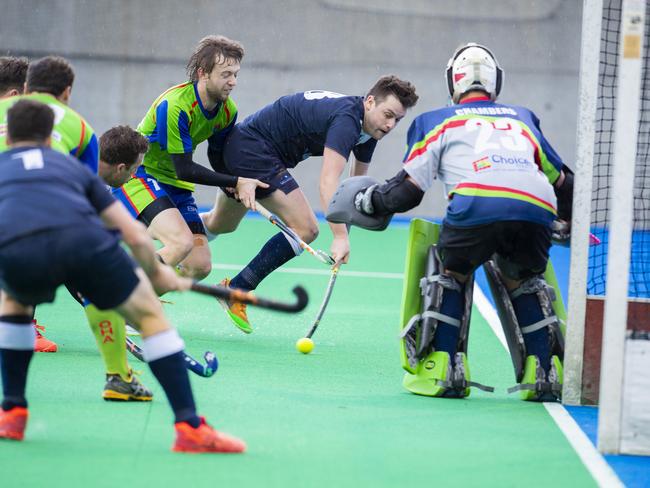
609 295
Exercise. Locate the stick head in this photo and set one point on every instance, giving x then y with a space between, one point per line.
211 363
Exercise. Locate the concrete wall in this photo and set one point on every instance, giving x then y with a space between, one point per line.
126 52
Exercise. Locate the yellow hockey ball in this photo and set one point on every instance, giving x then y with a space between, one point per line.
305 345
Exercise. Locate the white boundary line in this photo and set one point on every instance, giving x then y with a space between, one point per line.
325 272
602 472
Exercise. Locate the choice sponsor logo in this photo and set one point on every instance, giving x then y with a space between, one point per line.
481 164
510 160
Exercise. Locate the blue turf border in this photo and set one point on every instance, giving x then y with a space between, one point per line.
633 471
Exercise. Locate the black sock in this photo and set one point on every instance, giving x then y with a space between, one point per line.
274 254
14 365
14 377
172 375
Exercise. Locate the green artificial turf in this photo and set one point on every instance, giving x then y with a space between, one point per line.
336 417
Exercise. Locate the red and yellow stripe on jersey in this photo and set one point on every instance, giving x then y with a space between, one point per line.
176 123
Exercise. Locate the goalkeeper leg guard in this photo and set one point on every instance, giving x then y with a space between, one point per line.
439 376
430 375
537 385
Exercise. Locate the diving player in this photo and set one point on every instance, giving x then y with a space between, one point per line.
160 194
506 185
277 138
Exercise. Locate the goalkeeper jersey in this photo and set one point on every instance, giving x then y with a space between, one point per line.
492 158
71 134
176 123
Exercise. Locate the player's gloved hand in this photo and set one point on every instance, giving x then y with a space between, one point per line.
363 200
245 191
340 249
561 232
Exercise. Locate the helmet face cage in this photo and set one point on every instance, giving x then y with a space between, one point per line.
473 67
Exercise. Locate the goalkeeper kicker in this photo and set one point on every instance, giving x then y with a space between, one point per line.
506 186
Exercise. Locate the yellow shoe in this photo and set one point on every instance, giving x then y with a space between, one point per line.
236 311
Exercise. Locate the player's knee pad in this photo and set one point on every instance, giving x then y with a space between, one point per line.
419 332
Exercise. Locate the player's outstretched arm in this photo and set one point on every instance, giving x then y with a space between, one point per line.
188 170
333 165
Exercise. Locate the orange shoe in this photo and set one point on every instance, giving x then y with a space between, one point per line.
13 423
204 439
43 344
236 311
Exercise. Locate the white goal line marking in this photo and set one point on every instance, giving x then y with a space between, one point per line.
602 472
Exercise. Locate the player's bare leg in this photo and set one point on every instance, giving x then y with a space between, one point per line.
295 211
180 245
224 217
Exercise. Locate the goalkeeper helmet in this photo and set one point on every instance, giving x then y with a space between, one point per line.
473 67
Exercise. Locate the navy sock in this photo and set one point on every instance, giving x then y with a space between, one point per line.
14 366
172 375
528 312
446 338
274 254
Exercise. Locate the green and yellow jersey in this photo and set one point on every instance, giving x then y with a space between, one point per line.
71 134
176 123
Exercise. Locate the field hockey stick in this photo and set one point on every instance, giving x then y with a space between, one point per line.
326 299
322 256
205 370
235 295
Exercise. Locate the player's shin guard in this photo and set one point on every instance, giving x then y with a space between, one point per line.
109 329
17 338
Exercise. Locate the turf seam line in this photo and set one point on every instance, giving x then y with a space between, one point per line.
601 471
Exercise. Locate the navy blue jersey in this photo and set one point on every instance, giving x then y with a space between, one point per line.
301 125
41 189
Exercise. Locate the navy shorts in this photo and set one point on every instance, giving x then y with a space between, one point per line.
249 155
521 247
145 197
89 260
